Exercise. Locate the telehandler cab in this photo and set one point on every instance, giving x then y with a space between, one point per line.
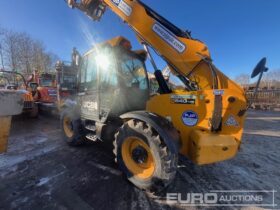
202 118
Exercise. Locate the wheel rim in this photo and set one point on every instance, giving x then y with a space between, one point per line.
67 126
138 158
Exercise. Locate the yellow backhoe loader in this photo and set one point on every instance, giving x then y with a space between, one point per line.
202 119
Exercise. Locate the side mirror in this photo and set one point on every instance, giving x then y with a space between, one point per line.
260 68
33 86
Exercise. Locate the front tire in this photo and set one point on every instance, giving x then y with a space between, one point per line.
144 157
71 126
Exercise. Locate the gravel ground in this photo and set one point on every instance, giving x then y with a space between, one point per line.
41 172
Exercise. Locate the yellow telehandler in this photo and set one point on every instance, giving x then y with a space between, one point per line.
201 118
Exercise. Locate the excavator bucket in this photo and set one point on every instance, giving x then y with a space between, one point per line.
93 8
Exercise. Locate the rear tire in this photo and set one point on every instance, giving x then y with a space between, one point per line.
144 157
71 126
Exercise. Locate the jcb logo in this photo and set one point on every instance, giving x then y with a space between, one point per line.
90 105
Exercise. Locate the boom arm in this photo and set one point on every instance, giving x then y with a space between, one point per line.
188 57
176 47
220 101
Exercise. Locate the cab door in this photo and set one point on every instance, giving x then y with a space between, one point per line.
88 89
133 79
108 84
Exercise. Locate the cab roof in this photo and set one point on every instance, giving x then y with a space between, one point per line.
119 41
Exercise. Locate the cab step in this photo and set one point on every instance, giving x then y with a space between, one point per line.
90 127
91 137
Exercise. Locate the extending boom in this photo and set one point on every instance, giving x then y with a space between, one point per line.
186 56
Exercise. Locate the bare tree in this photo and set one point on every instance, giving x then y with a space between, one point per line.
25 49
19 52
1 48
50 60
271 79
243 80
39 57
276 74
11 50
42 61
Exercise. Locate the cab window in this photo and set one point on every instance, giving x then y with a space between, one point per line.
107 65
133 72
83 74
91 73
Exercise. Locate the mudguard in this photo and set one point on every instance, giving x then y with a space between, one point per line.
165 128
69 104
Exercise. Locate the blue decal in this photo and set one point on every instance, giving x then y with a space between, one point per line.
123 6
190 118
116 2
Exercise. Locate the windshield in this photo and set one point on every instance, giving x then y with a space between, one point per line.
98 66
133 72
109 70
46 82
68 81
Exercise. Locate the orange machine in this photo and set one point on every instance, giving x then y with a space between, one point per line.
47 94
202 119
17 81
44 90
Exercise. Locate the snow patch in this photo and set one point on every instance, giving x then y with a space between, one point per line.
43 181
